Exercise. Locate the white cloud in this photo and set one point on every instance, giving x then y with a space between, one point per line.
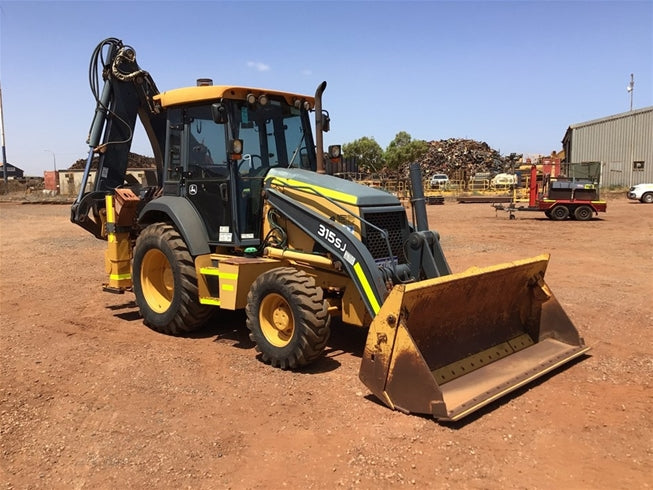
307 73
258 66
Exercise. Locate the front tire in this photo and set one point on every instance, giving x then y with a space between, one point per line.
647 198
288 318
165 282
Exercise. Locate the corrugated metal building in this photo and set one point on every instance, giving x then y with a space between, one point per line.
623 143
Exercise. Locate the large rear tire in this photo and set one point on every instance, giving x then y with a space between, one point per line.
165 282
288 318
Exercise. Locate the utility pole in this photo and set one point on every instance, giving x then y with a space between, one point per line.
2 137
54 159
630 88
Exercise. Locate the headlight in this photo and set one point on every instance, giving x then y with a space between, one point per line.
334 151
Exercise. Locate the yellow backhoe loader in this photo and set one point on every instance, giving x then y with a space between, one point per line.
244 216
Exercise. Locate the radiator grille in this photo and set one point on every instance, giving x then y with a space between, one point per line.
395 224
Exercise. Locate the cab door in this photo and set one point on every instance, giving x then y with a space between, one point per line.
207 176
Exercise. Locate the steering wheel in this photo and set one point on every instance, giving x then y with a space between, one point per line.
251 162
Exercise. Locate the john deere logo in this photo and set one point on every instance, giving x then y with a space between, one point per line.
192 189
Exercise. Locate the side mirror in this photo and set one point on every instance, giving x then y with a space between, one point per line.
219 113
326 122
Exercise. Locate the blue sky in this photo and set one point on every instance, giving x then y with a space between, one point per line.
513 74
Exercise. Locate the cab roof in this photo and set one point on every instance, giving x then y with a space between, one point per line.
208 93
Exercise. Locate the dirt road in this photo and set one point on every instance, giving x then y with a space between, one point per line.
91 398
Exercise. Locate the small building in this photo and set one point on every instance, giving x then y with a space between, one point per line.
623 143
13 172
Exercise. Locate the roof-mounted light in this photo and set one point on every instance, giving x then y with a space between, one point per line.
253 99
302 103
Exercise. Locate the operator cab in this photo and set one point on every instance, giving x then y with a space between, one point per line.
219 151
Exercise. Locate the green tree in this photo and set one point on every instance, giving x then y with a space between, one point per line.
403 150
368 153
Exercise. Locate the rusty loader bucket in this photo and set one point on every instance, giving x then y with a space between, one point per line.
450 345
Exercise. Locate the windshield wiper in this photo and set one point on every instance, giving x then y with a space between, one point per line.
294 154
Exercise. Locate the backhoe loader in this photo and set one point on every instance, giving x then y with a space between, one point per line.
244 216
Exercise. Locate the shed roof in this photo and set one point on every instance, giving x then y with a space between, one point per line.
611 118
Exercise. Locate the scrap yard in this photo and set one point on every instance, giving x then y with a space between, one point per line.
90 397
326 245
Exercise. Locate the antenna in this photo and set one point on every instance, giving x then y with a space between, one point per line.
630 89
2 138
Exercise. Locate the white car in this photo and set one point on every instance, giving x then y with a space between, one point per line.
641 192
439 181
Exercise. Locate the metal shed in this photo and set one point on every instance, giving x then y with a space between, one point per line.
623 143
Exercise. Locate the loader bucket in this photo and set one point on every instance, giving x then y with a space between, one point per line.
450 345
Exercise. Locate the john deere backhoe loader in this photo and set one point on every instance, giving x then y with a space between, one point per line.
245 217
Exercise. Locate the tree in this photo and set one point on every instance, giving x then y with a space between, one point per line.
403 150
367 152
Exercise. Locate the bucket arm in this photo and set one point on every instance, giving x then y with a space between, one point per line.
127 92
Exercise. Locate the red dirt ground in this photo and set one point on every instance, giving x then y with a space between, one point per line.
91 398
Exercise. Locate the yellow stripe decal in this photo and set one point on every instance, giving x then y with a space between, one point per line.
366 287
119 277
110 215
210 301
338 196
212 271
227 287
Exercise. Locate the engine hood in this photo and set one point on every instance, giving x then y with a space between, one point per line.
341 190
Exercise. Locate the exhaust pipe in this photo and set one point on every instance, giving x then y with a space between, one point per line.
319 140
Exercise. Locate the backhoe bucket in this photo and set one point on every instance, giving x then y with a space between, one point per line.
450 345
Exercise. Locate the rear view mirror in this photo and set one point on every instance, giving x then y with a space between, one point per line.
326 122
219 113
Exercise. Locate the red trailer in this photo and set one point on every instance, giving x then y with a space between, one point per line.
574 193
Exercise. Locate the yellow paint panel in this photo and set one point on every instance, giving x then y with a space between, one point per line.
187 95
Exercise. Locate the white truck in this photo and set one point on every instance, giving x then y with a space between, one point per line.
641 192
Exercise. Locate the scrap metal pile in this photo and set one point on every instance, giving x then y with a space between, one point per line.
462 158
134 161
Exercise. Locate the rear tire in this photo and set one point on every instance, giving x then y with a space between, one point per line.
559 213
647 198
165 282
583 213
288 318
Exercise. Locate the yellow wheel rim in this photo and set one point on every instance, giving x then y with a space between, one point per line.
276 320
157 281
